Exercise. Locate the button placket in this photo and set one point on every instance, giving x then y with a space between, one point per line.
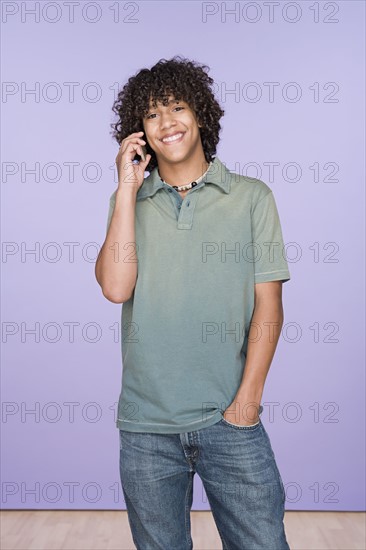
185 206
185 218
175 198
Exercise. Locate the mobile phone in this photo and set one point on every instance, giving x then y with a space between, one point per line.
143 153
138 158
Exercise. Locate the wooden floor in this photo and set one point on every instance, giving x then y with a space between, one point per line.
109 530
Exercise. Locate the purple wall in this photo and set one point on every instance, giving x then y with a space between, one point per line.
298 106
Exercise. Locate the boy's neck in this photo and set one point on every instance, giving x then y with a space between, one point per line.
182 173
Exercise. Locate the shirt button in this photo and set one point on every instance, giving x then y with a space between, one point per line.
170 190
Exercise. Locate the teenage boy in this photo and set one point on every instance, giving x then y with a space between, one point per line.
195 253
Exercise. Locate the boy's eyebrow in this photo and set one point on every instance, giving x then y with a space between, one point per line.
169 102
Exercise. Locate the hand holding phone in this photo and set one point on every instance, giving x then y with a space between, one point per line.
132 160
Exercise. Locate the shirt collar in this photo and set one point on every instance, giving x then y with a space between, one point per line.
217 174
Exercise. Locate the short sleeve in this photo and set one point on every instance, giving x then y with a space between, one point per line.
269 255
112 202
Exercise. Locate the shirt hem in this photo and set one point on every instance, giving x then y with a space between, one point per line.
140 427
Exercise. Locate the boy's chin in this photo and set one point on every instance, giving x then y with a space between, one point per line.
172 158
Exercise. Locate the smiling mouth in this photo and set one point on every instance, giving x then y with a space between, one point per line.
176 138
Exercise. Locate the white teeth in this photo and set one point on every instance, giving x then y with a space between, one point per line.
173 138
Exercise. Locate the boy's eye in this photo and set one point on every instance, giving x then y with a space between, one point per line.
152 114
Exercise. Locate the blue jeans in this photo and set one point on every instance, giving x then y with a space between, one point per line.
239 473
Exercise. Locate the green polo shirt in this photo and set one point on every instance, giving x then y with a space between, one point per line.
185 328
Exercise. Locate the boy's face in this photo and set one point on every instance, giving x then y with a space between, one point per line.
176 120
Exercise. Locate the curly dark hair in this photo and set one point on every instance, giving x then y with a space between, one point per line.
184 79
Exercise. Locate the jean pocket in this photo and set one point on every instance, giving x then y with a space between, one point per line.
251 427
